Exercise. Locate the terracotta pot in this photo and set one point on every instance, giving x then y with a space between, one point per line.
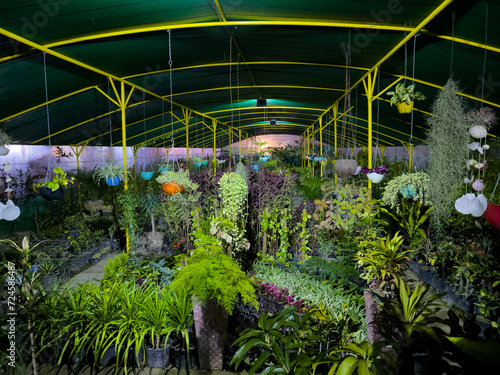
492 215
171 188
404 107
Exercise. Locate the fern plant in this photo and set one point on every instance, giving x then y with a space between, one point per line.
448 140
211 274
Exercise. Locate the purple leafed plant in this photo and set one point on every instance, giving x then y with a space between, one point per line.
383 169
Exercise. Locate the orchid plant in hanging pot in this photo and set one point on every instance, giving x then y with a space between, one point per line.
377 174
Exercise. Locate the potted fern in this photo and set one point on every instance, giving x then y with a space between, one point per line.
111 172
175 182
215 280
404 97
52 189
5 139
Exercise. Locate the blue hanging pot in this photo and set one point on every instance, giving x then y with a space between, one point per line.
147 175
112 181
197 165
255 167
205 162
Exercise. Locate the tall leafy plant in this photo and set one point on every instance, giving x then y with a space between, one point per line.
448 148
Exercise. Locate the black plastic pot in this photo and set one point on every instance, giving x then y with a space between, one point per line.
50 195
178 358
158 358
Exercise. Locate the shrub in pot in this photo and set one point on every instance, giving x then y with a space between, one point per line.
155 323
111 172
214 279
52 189
175 182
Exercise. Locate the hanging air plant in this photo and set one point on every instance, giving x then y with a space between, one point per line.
5 139
480 121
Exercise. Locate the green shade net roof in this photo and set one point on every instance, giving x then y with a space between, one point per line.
225 55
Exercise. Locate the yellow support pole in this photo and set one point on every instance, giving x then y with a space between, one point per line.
239 142
369 84
187 113
230 146
335 114
409 147
123 106
214 161
136 150
321 141
78 149
307 145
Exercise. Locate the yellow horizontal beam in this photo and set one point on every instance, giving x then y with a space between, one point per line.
49 102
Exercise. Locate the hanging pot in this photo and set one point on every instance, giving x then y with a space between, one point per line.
404 107
112 181
408 191
50 195
492 215
265 158
147 175
345 167
255 167
478 131
375 178
197 164
4 150
204 162
171 188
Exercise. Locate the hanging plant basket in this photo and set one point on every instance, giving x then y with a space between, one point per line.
265 158
375 178
345 167
404 107
4 150
50 195
171 188
204 162
112 181
147 175
197 165
492 215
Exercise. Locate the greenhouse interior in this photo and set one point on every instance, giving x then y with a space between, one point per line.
268 187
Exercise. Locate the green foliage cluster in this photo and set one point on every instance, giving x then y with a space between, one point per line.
383 261
342 307
233 194
405 94
60 179
181 177
448 140
109 170
395 190
211 274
